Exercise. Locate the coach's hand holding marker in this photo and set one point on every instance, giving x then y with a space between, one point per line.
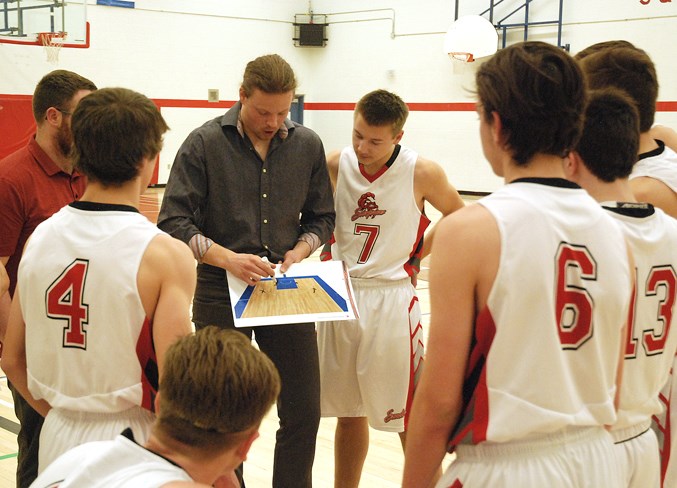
250 268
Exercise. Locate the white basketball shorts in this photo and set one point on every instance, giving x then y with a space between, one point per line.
369 367
65 429
580 457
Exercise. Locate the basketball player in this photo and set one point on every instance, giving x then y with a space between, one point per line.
96 304
601 164
654 177
368 366
529 294
657 131
215 389
653 180
35 182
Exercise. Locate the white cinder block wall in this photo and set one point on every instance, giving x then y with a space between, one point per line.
177 50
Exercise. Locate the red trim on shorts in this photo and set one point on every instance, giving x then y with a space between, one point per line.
413 367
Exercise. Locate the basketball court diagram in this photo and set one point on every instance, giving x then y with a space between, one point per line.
307 292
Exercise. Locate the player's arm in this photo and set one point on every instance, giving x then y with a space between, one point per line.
167 290
14 356
655 192
333 167
5 300
665 134
463 265
432 185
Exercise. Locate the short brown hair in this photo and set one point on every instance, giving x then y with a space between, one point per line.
601 46
381 107
57 89
610 139
270 74
539 93
114 129
215 386
629 69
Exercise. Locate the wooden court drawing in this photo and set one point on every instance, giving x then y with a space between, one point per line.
306 293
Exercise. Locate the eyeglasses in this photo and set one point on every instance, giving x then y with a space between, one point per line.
64 111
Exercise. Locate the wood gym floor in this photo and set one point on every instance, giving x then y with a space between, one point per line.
382 469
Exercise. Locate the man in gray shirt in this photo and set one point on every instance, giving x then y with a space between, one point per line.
248 185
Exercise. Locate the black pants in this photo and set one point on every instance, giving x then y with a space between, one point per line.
293 350
28 440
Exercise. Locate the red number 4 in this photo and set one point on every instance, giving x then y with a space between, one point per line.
573 303
64 302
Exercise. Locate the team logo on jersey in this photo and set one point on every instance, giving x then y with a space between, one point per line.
367 207
391 415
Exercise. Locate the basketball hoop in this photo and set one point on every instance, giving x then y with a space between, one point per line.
469 38
52 42
465 57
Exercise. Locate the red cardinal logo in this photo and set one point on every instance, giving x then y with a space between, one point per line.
367 207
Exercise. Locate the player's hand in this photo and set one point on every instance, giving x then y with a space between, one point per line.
249 267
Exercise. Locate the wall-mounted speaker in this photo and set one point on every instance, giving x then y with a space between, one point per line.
311 33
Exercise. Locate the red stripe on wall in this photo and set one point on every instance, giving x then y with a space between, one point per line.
175 102
666 106
16 97
417 107
338 106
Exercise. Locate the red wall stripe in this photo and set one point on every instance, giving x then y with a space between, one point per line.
665 106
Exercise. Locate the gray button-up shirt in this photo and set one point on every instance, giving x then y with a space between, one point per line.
219 187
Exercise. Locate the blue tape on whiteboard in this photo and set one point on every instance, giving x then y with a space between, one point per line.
115 3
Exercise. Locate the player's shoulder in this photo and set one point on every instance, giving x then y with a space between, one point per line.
427 171
474 219
425 164
165 247
333 157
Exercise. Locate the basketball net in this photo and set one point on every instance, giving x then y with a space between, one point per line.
52 42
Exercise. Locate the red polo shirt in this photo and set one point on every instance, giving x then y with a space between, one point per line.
32 188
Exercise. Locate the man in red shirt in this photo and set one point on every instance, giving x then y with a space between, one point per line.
35 182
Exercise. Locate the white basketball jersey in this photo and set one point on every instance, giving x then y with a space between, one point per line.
651 339
660 164
546 347
89 343
120 463
379 228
